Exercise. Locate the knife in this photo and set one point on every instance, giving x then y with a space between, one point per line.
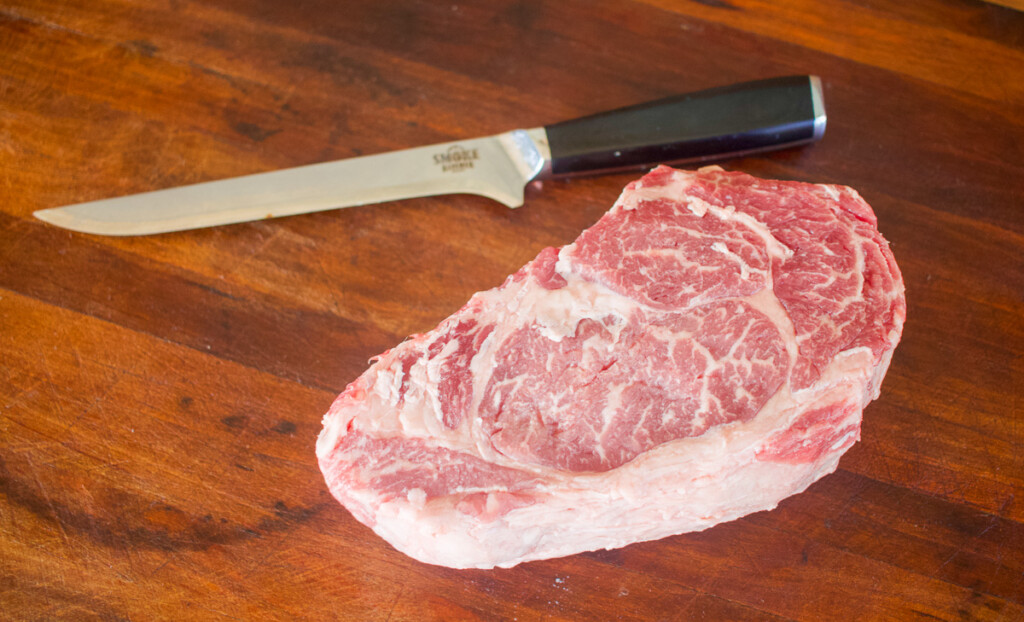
722 122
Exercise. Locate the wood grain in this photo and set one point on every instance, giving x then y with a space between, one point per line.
161 395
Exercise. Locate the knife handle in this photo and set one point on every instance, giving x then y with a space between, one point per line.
717 123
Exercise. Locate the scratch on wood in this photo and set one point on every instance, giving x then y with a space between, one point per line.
394 603
89 408
220 613
253 252
47 499
166 561
51 386
58 598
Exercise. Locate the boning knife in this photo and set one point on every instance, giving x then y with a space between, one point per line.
718 123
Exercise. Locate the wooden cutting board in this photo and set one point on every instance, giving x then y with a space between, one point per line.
161 395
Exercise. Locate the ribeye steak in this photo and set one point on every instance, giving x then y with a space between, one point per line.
702 352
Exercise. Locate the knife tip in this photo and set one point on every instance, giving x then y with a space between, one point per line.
60 217
47 215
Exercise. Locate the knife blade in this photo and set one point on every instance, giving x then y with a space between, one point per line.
729 121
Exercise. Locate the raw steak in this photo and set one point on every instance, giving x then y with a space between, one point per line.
702 352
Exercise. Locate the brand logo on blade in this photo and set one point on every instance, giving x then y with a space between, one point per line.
455 159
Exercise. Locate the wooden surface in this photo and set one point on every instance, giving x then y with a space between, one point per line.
161 395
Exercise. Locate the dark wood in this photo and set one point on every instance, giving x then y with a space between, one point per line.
161 395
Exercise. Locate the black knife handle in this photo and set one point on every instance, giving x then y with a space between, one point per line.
717 123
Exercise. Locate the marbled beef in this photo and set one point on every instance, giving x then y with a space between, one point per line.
702 352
